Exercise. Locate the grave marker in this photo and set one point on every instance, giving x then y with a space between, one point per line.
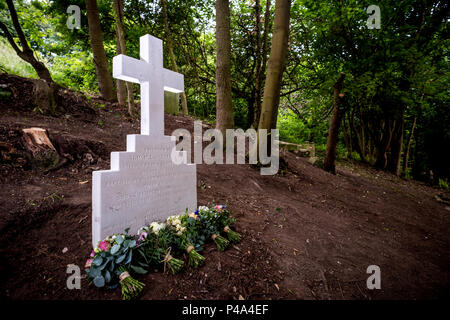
144 184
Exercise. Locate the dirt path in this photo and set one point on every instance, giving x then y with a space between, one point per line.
307 234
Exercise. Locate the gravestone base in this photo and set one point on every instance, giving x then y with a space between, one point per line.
142 186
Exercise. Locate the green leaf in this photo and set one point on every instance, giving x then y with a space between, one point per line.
145 265
97 261
99 281
107 277
119 239
111 266
121 258
126 243
129 257
93 272
132 244
103 265
138 270
115 249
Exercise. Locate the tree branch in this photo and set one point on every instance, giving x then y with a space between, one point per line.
8 36
15 21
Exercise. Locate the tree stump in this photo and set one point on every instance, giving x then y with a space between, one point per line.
41 148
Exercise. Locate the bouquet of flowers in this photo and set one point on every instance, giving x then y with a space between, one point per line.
156 243
224 220
115 258
213 221
110 263
185 227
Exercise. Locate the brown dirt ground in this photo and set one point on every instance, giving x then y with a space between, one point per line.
307 234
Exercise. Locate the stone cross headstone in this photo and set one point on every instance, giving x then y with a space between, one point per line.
144 184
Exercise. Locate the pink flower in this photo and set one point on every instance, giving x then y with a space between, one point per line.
104 245
142 236
92 254
88 263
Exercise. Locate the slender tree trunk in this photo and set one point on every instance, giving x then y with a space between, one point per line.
173 61
362 136
123 87
384 145
26 53
408 146
333 132
105 83
265 44
359 139
347 137
120 84
224 107
396 145
275 67
258 55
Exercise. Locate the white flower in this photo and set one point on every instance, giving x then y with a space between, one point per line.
203 208
157 226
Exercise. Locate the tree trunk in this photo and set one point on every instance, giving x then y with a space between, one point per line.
384 145
275 67
105 83
408 146
26 53
122 49
224 107
257 111
396 146
333 132
44 96
184 107
258 55
347 138
120 84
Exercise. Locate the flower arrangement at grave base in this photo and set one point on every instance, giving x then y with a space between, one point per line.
215 220
117 257
156 246
189 237
211 224
110 264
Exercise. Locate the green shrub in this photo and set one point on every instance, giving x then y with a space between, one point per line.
11 63
443 184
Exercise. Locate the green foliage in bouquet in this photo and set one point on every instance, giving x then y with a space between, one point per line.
220 241
189 237
214 220
233 236
156 244
111 258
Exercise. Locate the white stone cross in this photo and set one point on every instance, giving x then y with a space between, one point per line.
153 78
144 183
